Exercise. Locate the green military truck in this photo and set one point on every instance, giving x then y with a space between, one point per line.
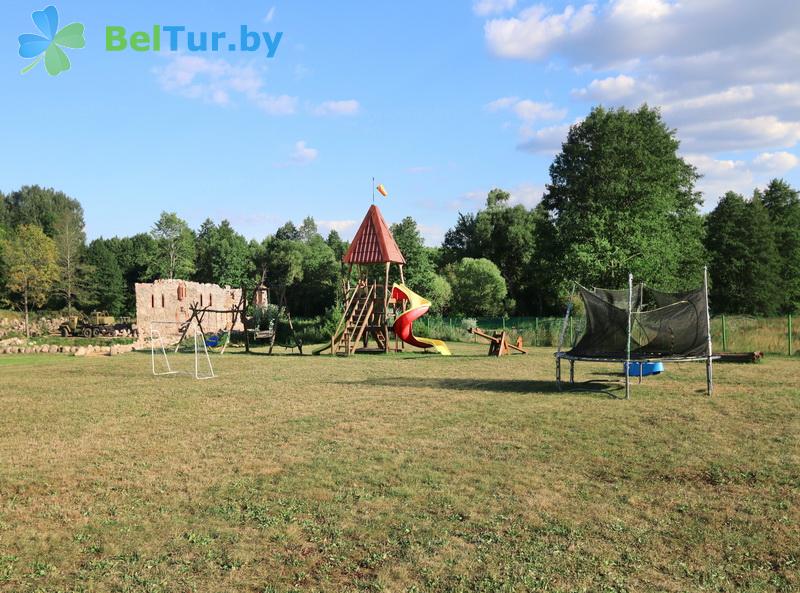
97 323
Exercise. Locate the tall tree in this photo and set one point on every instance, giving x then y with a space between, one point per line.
783 205
288 232
308 230
43 207
175 249
316 290
107 286
744 262
461 241
29 257
504 234
5 216
70 240
133 256
335 242
223 255
621 199
419 272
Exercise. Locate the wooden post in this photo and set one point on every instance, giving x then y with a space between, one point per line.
789 328
385 307
244 320
628 348
709 359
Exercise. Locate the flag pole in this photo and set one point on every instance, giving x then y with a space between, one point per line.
373 190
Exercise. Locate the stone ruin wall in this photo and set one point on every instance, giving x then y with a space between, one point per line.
170 300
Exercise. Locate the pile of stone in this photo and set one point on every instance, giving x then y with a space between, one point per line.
43 326
112 350
20 346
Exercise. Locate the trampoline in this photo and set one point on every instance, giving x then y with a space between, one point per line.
641 326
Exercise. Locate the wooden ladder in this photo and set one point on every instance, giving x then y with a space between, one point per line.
356 319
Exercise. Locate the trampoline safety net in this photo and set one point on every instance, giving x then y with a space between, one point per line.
663 325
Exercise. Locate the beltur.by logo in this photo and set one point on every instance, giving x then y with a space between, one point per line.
49 44
177 38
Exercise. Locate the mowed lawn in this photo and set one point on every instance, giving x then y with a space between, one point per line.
395 473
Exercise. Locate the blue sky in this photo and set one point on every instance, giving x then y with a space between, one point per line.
440 102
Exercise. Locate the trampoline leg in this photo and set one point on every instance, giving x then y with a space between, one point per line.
571 372
641 372
628 382
558 373
709 376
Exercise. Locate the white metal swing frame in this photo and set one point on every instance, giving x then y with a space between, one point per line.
156 337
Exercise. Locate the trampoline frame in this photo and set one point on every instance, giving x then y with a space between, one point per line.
627 359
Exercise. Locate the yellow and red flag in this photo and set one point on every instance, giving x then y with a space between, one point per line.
382 190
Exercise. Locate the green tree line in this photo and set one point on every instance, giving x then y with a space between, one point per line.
620 199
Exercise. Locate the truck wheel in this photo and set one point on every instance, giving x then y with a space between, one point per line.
87 332
96 332
64 332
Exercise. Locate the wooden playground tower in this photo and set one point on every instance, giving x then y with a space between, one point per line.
367 301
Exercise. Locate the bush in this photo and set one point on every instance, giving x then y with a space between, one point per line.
478 287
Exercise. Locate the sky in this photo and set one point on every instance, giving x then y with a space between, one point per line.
438 101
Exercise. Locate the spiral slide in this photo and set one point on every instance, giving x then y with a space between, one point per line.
403 325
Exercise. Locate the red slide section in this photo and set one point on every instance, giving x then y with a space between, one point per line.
403 325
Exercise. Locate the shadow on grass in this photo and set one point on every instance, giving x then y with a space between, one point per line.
520 386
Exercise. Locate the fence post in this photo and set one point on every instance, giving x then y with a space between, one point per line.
536 331
789 328
724 335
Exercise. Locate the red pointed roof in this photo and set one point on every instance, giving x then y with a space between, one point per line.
373 243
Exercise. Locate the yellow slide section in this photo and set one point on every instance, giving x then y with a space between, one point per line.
403 325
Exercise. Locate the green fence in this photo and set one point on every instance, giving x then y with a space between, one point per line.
535 331
739 333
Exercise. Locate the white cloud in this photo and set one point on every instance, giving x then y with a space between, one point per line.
340 226
720 176
502 103
347 107
741 176
527 194
526 110
641 10
487 7
752 133
609 33
776 162
432 234
608 89
545 140
724 91
532 34
302 154
219 82
270 15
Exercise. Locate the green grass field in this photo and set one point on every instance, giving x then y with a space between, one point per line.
395 473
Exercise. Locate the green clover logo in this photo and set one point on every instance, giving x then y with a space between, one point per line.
33 46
